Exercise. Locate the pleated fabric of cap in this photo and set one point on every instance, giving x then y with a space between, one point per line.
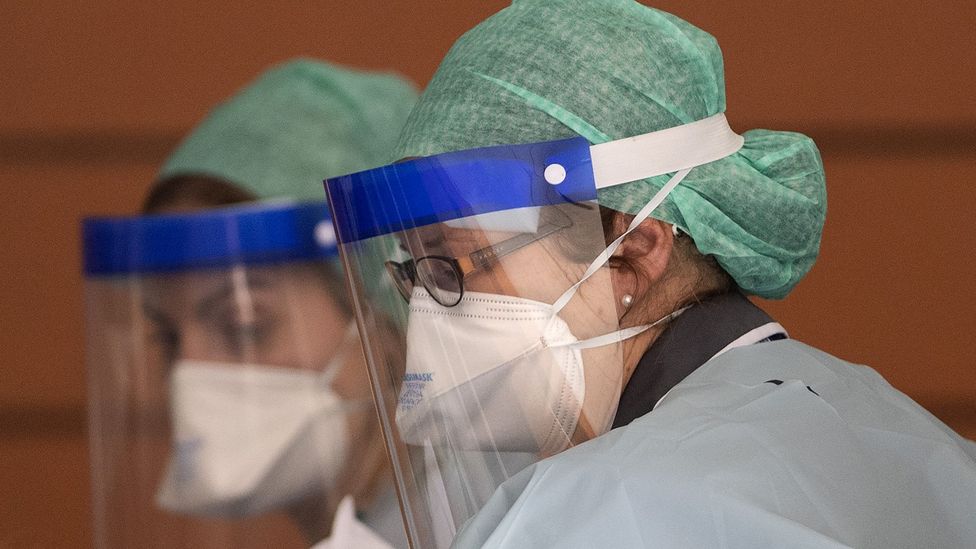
297 124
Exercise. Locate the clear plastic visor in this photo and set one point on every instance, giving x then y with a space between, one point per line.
229 406
476 373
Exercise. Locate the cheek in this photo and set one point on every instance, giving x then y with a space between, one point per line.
352 382
307 325
281 347
318 328
541 273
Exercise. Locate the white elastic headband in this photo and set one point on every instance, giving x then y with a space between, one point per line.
625 160
674 150
664 151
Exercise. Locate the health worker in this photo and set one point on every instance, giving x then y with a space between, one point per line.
229 400
575 230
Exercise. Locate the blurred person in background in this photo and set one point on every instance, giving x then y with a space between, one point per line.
227 377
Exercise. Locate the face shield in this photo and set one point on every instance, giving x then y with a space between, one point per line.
499 343
227 396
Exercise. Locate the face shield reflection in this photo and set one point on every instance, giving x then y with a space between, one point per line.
491 352
492 370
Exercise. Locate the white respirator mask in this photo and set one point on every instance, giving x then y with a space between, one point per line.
250 438
498 372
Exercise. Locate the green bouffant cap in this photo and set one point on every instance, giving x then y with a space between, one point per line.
608 69
297 124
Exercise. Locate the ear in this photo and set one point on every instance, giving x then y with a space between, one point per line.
641 259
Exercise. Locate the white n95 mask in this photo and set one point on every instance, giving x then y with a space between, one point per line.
249 438
493 371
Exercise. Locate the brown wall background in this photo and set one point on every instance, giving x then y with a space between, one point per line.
94 95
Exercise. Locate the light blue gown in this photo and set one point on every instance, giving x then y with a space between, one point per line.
832 456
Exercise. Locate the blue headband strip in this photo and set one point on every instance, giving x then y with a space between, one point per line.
459 184
253 233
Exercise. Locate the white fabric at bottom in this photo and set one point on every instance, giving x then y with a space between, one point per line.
729 460
349 533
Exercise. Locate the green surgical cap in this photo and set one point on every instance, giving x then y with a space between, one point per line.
609 69
297 124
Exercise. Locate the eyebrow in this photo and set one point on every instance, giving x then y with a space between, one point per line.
434 241
424 238
442 237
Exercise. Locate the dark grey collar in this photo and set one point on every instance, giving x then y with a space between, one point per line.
691 340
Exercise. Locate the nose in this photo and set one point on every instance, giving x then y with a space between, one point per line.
197 343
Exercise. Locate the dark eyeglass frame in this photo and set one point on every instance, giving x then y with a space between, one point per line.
404 274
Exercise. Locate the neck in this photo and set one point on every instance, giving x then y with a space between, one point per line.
364 476
315 514
313 517
635 347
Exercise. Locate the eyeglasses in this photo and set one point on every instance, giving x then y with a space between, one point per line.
443 276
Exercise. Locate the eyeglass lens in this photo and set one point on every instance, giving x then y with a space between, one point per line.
440 277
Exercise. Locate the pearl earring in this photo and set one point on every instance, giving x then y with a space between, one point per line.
627 300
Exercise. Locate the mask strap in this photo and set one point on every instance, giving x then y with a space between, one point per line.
626 333
335 364
604 256
338 359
